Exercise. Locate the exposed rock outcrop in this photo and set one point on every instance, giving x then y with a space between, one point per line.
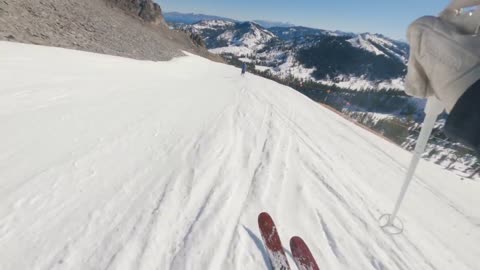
129 28
148 10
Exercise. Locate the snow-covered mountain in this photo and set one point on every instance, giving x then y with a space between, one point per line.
270 24
114 163
191 18
380 45
237 38
348 60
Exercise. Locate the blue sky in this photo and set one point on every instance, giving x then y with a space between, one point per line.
379 16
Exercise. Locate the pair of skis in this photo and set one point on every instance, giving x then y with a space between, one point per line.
301 253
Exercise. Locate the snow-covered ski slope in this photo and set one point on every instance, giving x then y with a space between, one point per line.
112 163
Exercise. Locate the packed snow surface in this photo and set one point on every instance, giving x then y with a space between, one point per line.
112 163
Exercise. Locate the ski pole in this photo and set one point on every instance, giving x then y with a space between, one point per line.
432 110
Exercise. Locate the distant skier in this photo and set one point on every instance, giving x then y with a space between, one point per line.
444 62
244 69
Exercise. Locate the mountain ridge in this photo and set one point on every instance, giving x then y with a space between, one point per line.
347 60
191 18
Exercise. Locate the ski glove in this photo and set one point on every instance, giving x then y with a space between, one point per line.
444 57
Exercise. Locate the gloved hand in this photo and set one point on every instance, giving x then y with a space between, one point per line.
444 54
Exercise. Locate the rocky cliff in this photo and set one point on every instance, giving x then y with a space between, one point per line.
148 10
129 28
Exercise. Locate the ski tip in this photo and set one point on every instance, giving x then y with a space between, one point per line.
295 241
302 255
264 216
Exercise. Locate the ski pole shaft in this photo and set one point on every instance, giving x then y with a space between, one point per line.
432 110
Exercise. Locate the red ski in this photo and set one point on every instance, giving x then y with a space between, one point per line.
277 256
302 255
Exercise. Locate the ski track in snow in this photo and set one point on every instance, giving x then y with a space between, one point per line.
111 163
